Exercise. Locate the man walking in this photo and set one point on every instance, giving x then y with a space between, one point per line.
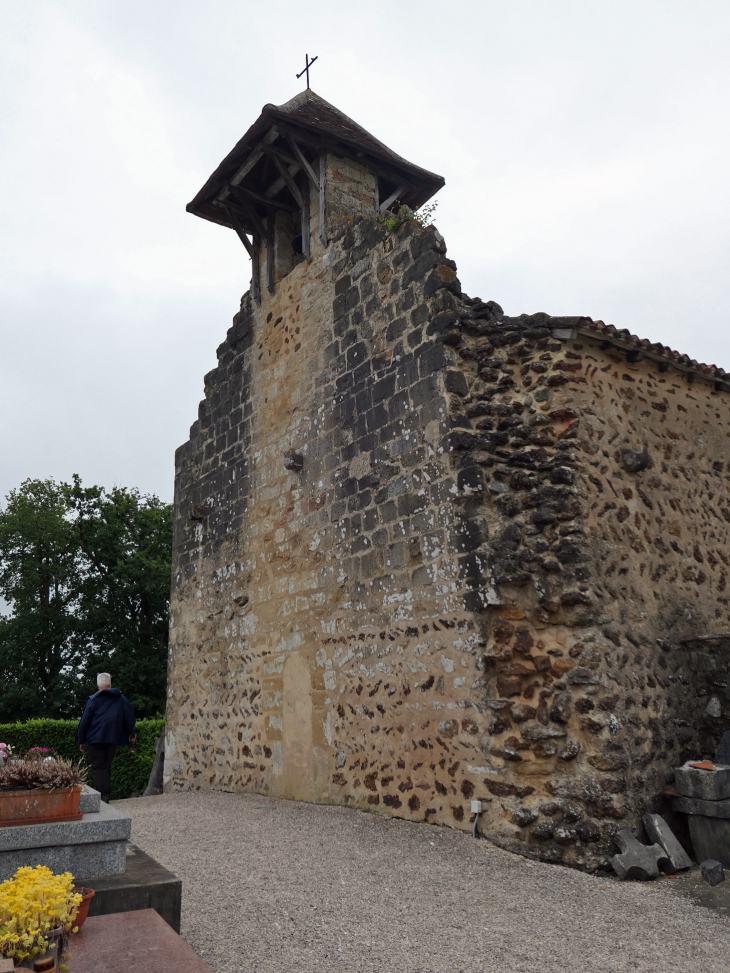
107 723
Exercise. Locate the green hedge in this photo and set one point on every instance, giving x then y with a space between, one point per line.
130 770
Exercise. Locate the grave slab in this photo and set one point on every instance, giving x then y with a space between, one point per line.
145 884
660 833
706 784
141 941
637 860
90 848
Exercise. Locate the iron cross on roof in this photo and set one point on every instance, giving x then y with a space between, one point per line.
308 65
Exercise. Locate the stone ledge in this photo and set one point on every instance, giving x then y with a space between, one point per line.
107 824
90 802
708 809
710 784
144 884
86 862
139 941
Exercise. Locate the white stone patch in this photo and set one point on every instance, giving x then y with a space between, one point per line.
293 642
327 727
330 680
248 625
404 613
459 682
447 663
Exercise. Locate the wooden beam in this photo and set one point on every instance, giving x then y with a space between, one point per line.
256 269
239 230
252 215
270 250
380 166
392 198
320 197
306 235
292 186
302 161
253 252
280 183
245 191
254 157
274 150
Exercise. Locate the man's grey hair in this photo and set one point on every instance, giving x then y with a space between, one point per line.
103 679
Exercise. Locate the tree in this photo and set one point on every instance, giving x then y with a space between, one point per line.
86 573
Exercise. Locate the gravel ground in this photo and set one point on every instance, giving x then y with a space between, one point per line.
284 887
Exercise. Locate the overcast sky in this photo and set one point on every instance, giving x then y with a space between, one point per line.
584 144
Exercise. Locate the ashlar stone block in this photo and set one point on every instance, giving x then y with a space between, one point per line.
703 780
712 872
660 833
90 848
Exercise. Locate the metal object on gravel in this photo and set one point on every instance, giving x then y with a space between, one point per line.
660 833
637 860
712 872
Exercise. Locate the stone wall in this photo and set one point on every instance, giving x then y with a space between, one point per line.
412 565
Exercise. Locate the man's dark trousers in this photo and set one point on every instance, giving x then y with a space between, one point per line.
100 758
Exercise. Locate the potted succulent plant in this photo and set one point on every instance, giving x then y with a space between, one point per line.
40 789
37 913
83 911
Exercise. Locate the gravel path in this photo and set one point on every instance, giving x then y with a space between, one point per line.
282 887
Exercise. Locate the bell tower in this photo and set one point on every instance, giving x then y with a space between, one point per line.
298 172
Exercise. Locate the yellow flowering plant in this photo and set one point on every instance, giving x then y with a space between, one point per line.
33 903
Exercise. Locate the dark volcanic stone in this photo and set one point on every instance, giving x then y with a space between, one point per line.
660 833
722 754
712 872
636 860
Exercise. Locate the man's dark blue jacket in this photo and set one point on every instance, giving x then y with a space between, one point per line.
108 718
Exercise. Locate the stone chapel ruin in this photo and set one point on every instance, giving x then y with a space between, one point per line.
425 552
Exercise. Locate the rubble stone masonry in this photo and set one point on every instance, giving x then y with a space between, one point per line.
477 583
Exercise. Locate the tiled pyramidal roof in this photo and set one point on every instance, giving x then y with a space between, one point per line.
636 349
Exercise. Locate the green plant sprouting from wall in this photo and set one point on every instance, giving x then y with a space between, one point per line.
393 221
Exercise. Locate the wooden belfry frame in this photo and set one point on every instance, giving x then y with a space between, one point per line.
294 173
280 165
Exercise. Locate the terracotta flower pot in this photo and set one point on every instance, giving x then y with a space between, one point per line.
83 909
39 805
